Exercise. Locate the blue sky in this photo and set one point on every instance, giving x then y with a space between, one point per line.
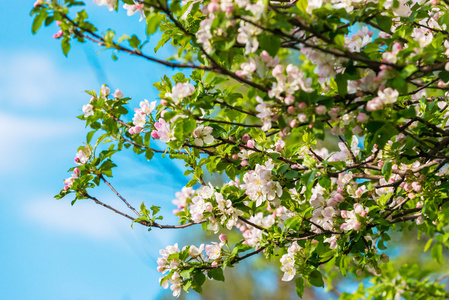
50 250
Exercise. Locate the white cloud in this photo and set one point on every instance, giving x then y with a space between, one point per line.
27 139
86 219
81 219
34 79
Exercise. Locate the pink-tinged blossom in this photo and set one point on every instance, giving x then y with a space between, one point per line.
247 68
291 82
109 3
351 220
359 40
182 196
313 4
69 182
202 135
147 107
288 266
264 113
259 185
400 10
423 36
105 90
88 110
139 118
213 251
118 94
332 241
388 96
280 144
163 131
181 91
82 157
194 251
134 8
204 35
391 57
248 35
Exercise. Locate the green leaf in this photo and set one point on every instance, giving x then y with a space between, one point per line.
300 284
270 43
444 75
153 23
384 22
65 45
216 274
428 244
342 84
38 20
316 279
437 253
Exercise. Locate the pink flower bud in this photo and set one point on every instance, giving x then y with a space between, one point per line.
164 102
362 118
38 2
291 110
244 163
416 186
302 105
289 99
250 143
363 214
278 70
231 138
293 123
408 187
163 113
419 204
214 264
66 188
321 109
357 130
265 57
77 171
441 84
58 23
155 135
58 34
235 156
213 7
135 130
223 237
245 138
338 197
77 159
